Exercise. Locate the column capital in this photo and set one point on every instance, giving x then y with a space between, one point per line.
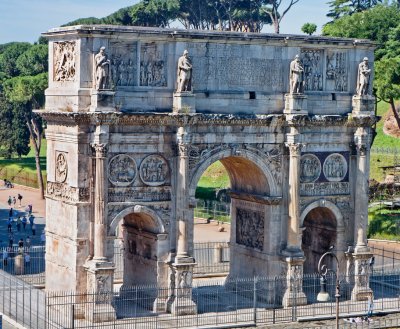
101 149
183 149
294 148
362 149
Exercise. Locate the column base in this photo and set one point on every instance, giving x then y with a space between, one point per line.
294 294
183 306
184 102
363 105
101 313
361 290
160 305
295 104
294 299
102 101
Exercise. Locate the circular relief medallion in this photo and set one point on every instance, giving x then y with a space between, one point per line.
122 170
154 170
61 168
335 167
310 168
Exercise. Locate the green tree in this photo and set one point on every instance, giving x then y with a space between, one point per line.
27 93
374 24
8 58
157 13
309 28
340 8
33 61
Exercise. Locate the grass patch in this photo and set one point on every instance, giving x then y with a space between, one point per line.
214 178
383 223
23 171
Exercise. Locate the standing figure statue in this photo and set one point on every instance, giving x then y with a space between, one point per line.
363 77
102 69
184 73
296 76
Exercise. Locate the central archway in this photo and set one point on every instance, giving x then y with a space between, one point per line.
252 190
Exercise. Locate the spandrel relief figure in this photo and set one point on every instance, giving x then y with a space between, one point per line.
364 73
184 73
296 76
102 69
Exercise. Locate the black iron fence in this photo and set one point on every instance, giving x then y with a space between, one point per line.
239 301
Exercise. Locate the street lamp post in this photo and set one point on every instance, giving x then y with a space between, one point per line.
323 295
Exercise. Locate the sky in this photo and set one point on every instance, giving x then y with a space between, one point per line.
24 20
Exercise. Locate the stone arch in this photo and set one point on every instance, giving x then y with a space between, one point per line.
324 204
137 209
248 157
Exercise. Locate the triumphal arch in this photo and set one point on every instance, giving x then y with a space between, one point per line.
136 115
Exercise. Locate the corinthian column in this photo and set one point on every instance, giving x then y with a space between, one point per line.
294 233
99 203
361 197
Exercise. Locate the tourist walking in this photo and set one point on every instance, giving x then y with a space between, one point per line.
5 257
20 199
10 212
24 221
14 200
9 201
31 219
28 242
9 224
19 222
33 229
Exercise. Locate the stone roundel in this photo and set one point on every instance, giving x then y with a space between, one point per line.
335 167
310 168
61 168
122 170
154 170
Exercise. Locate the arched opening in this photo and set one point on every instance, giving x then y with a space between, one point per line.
250 214
320 232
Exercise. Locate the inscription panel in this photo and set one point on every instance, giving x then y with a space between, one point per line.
225 67
321 189
250 228
132 194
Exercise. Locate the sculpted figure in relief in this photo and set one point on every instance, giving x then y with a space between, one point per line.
102 69
363 77
184 72
296 76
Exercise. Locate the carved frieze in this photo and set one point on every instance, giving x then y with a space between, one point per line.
336 71
250 228
335 167
123 65
122 170
64 55
65 192
313 75
133 194
154 170
310 168
326 188
61 167
152 66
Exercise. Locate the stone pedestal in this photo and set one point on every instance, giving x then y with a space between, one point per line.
294 295
363 105
361 290
184 102
100 277
295 104
183 303
102 101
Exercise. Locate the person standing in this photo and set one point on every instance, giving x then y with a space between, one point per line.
24 221
10 240
5 257
10 212
28 242
31 219
43 238
33 229
9 201
14 200
27 259
20 199
19 222
9 224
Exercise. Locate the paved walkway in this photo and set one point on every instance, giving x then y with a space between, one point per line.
29 196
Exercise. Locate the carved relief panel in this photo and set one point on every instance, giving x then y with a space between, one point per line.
153 70
123 65
64 55
122 170
61 167
336 71
312 60
250 228
335 167
154 170
310 168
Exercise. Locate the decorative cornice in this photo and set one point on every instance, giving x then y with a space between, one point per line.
64 192
256 198
170 119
